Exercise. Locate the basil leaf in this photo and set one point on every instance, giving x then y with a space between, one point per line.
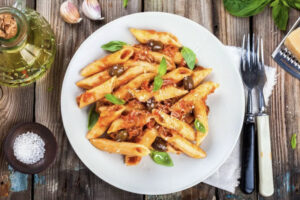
189 57
113 46
161 158
199 126
162 67
280 14
113 99
125 2
158 81
292 3
93 117
245 8
294 141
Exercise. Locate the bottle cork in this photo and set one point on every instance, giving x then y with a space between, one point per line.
8 26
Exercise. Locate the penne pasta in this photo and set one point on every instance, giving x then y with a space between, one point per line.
200 92
123 91
107 116
124 148
201 113
178 74
199 74
165 93
102 64
168 92
134 71
144 36
171 149
94 94
173 123
147 139
123 123
151 56
94 80
133 113
178 59
184 145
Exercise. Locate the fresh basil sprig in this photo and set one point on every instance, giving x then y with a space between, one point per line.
161 158
113 99
93 117
125 2
247 8
199 126
280 13
158 81
293 3
113 46
294 141
189 57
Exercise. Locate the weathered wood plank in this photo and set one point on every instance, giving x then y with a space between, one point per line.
230 30
16 106
199 11
292 116
284 110
68 178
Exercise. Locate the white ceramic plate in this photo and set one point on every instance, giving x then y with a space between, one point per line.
225 117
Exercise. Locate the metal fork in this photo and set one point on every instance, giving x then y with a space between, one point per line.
266 185
248 60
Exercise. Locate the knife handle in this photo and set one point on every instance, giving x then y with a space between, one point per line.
266 185
247 176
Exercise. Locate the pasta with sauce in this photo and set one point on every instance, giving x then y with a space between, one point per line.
150 97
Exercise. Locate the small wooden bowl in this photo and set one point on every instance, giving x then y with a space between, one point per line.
50 147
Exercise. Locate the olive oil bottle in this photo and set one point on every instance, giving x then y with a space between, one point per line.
27 45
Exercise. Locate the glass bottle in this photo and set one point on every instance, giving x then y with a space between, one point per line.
27 45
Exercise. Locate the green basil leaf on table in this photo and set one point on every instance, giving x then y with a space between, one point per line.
113 46
245 8
199 126
292 3
294 141
93 117
280 14
158 81
125 2
161 158
113 99
189 57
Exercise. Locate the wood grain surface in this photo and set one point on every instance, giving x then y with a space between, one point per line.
68 178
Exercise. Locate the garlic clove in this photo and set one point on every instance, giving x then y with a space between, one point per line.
69 12
91 9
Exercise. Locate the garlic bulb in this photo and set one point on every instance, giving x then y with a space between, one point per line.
91 9
69 12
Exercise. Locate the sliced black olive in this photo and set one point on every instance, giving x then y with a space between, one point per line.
155 45
188 83
150 104
160 144
121 135
116 70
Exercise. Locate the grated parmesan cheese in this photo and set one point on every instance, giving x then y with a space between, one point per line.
29 148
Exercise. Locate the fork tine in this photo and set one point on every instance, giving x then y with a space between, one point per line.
262 52
257 53
253 49
248 50
243 54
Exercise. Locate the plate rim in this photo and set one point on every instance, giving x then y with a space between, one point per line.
103 176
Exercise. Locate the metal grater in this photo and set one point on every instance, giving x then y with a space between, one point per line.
285 58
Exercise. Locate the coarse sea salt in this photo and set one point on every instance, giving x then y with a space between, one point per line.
29 148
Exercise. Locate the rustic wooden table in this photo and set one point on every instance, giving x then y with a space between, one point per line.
68 178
